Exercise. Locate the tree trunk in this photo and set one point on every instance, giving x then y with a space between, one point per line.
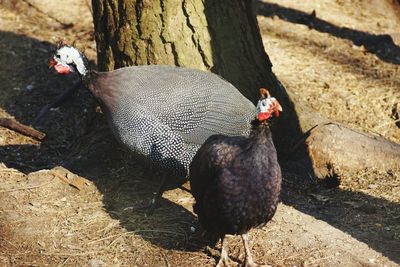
151 32
223 36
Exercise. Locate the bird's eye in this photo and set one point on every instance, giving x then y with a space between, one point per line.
57 56
263 104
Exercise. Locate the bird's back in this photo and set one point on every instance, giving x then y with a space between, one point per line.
166 113
195 103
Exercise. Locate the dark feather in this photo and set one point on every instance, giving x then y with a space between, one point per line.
236 181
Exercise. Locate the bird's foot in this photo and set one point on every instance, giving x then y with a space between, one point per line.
253 264
225 262
249 262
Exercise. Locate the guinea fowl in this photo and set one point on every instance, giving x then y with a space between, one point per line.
236 180
162 112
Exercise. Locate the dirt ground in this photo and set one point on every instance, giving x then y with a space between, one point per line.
73 199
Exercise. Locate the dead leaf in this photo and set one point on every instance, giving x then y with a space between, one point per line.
78 183
70 178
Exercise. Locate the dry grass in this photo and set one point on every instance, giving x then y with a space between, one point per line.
337 78
46 221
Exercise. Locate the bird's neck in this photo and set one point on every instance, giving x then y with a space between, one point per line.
86 77
260 131
82 67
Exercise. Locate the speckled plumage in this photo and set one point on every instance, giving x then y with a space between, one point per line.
236 181
165 113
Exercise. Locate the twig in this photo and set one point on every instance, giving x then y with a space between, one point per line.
107 237
306 135
9 242
66 254
108 227
64 25
27 187
115 240
370 131
12 124
57 102
62 263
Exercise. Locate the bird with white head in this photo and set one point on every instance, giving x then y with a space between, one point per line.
195 105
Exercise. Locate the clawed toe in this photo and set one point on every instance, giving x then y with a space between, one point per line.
256 265
226 262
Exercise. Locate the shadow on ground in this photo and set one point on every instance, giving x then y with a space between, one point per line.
128 183
79 139
381 45
370 220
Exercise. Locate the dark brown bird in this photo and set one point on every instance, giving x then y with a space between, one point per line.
236 180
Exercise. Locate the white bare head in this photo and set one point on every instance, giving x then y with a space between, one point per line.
267 106
68 58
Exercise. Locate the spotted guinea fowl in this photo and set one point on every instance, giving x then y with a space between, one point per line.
236 180
162 112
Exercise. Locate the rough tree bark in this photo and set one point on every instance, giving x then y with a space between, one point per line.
223 36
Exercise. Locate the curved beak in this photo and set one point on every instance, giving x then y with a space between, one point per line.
52 63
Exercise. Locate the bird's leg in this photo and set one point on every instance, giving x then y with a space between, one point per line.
249 259
224 260
155 201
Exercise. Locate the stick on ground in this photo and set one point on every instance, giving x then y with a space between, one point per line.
12 124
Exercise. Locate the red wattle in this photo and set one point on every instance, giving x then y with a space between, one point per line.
62 69
263 116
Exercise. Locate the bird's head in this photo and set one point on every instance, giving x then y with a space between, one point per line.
67 59
267 106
